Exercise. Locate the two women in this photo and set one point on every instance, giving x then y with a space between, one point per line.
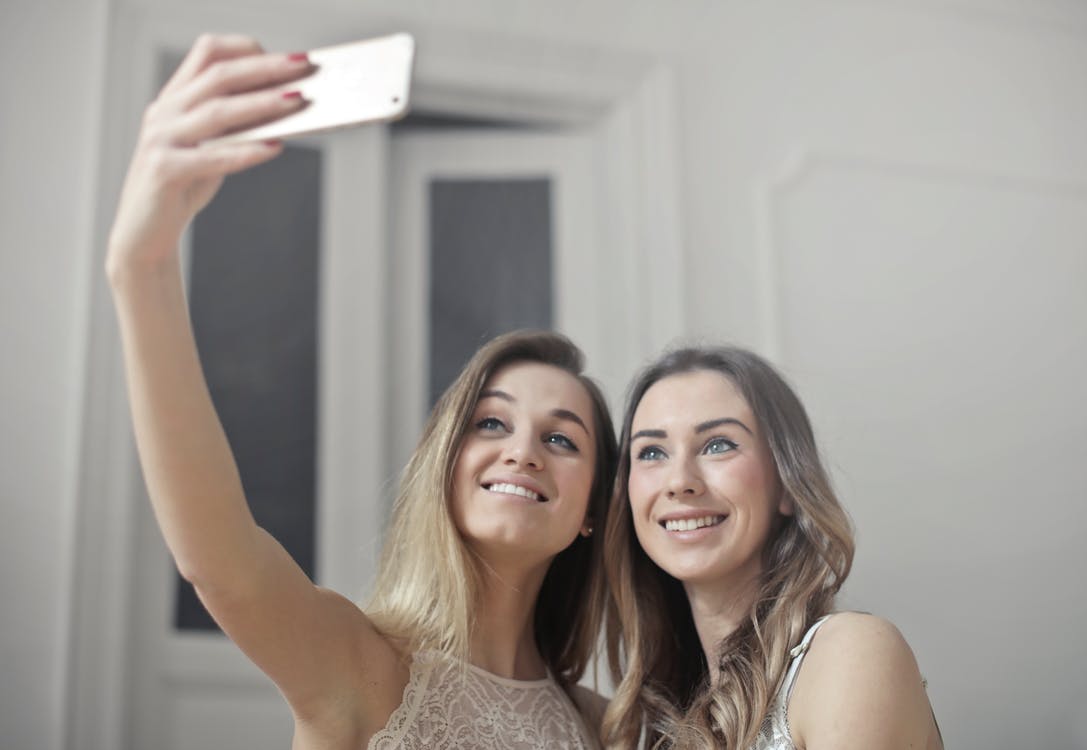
724 541
487 604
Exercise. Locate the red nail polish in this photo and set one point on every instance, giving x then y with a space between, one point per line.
295 94
298 57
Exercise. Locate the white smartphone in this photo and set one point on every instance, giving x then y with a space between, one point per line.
355 83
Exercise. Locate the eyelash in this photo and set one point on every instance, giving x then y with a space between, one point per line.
564 441
731 445
488 424
644 453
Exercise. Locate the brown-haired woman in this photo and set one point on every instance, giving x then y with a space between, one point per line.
725 547
487 602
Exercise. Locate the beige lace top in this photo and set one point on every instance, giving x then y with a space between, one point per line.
446 707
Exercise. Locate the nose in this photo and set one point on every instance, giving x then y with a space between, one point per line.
523 450
684 481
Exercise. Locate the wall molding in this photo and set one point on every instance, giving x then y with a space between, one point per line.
801 163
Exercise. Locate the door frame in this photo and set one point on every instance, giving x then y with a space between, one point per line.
582 304
626 99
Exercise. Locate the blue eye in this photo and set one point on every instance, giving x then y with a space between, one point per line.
557 438
651 453
718 446
488 424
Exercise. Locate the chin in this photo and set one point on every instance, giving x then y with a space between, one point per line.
689 571
682 573
523 542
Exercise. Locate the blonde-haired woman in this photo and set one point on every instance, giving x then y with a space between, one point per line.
488 598
725 547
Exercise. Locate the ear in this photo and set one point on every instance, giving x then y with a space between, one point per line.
586 527
785 504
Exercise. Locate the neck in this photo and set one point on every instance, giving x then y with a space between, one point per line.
719 608
503 638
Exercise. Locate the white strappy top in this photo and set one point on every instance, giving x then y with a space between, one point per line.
446 706
774 733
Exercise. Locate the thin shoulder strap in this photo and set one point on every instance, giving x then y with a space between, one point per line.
797 654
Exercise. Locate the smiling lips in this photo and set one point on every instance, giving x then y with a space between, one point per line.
506 488
690 524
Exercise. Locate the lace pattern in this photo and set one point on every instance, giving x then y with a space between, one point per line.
446 707
774 732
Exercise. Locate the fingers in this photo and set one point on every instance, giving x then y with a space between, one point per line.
221 86
226 77
178 153
224 84
206 50
226 114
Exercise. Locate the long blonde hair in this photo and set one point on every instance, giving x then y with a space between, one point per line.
665 695
428 582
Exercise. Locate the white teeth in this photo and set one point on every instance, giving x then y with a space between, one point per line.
690 524
513 489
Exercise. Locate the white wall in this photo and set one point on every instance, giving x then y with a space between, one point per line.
887 197
892 200
51 62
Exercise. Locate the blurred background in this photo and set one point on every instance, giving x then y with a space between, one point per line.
888 198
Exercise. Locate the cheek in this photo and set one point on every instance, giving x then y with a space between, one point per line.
750 479
640 487
577 480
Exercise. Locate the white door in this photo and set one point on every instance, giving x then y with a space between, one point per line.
540 184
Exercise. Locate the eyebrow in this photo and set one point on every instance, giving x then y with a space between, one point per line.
649 434
565 414
569 416
699 428
724 420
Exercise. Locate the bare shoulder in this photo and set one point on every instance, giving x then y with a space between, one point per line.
591 704
870 641
860 686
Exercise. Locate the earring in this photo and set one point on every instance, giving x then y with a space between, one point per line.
587 531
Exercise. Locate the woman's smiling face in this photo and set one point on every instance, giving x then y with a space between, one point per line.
524 472
704 491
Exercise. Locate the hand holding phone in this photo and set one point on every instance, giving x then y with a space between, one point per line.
355 83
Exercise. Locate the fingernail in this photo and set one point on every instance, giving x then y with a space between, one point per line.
273 143
298 57
294 94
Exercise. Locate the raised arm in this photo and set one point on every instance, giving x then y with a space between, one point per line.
859 689
311 642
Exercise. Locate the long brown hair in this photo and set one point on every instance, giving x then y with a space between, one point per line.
665 693
428 582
